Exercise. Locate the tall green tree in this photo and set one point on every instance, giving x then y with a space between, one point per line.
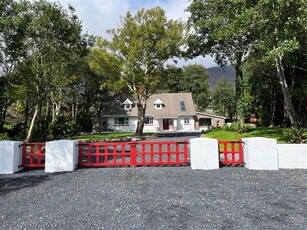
237 29
193 79
12 32
220 29
223 98
280 28
138 49
52 39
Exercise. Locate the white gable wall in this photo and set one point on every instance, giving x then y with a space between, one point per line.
186 127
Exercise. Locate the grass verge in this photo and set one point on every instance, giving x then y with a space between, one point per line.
275 133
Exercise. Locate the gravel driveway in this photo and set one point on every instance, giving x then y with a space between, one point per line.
154 198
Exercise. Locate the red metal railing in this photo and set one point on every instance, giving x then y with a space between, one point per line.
133 153
33 155
162 153
231 152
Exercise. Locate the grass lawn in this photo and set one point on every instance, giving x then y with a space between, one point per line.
109 136
276 133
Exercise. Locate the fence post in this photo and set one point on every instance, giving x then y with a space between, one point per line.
10 157
133 153
260 153
61 156
204 153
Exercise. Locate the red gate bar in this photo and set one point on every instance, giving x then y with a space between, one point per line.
33 155
99 154
162 153
133 153
231 152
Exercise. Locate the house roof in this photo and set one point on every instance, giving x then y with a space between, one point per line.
172 106
209 115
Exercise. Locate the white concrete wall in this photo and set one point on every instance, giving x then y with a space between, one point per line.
292 156
123 128
260 153
10 156
186 127
204 153
61 156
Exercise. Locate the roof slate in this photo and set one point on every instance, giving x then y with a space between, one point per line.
171 106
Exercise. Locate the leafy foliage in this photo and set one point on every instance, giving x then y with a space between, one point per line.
266 32
223 98
189 79
295 135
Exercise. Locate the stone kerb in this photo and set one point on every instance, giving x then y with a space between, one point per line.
61 156
260 153
204 153
292 156
10 157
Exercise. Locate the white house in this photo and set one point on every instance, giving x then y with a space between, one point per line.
164 112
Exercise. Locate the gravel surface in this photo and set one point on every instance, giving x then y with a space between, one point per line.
154 198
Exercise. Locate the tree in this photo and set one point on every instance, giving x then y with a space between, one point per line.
12 31
137 51
52 38
238 29
223 98
188 79
280 27
220 29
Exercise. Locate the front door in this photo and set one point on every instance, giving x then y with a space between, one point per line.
165 124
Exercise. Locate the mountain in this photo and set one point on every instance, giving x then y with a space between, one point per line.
215 73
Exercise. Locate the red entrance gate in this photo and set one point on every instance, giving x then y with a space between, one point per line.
231 152
133 153
33 155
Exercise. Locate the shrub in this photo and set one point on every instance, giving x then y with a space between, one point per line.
239 127
4 136
295 135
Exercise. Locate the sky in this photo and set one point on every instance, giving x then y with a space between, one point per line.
99 15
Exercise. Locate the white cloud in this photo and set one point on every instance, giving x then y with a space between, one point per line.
97 16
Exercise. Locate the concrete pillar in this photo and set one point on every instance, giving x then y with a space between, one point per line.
10 157
260 153
175 124
204 153
61 156
292 156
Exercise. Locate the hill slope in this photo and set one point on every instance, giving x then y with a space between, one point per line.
215 73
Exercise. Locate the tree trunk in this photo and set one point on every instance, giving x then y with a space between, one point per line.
290 111
239 93
141 104
32 123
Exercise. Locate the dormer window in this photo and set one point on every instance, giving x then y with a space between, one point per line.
182 106
127 104
158 104
127 107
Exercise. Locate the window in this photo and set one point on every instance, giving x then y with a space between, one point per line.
121 121
158 106
148 121
127 107
182 105
204 122
186 120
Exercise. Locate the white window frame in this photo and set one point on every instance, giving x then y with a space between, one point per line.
150 121
158 106
127 107
118 119
186 121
